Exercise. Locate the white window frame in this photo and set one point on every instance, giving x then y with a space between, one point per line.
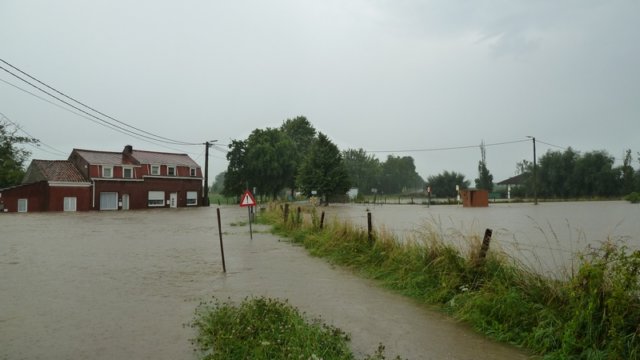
155 199
192 198
193 171
106 169
114 206
174 168
70 203
23 205
124 170
154 167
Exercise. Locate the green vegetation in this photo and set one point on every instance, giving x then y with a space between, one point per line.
572 175
633 198
12 158
266 329
593 314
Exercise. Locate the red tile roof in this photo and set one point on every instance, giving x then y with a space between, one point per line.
58 170
152 157
101 157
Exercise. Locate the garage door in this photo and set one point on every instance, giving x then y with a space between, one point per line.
108 201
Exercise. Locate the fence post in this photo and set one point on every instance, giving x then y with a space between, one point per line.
224 266
286 213
322 220
298 215
369 227
485 246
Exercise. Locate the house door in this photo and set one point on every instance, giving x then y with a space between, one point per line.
173 200
125 201
108 201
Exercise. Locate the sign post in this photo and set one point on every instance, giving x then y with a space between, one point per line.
248 201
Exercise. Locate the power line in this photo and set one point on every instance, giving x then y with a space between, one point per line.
141 132
37 145
107 125
447 148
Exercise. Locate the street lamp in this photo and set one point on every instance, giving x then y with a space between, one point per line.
535 167
205 193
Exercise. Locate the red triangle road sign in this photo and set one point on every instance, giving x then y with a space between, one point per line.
247 199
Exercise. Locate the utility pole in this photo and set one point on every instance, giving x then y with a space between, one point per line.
205 192
535 170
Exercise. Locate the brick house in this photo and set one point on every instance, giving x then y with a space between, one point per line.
102 180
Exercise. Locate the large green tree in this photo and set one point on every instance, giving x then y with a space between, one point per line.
444 185
323 170
236 177
364 170
12 157
269 161
302 134
399 174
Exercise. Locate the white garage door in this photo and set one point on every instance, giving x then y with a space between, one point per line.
108 201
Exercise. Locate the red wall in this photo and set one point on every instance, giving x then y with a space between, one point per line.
42 197
138 190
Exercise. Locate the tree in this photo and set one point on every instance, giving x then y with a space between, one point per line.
236 175
444 185
218 183
627 174
485 179
302 134
364 170
323 170
399 174
12 158
269 161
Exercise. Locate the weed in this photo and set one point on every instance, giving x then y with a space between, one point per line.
269 329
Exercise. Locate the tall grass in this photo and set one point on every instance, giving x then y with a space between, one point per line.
592 314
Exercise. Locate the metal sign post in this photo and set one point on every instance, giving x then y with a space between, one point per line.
248 201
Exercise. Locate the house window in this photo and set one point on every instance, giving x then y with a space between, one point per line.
23 205
156 198
127 172
193 171
70 203
171 170
192 198
107 171
155 169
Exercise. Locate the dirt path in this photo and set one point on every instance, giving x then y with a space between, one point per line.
121 285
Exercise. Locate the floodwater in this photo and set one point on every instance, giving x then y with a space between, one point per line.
546 237
121 285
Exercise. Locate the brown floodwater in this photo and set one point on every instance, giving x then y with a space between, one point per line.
122 285
546 237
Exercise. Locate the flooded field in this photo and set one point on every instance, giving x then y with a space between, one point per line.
122 285
545 237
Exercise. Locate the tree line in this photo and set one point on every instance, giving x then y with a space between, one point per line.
570 174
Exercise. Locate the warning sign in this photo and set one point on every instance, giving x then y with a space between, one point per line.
247 199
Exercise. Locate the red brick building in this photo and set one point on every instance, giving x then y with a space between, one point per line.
101 180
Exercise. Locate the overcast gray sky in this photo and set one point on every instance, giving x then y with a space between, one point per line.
379 75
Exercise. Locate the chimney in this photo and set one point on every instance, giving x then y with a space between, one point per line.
128 150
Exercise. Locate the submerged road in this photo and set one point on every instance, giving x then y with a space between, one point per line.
122 285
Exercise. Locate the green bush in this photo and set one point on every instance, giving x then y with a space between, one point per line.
633 198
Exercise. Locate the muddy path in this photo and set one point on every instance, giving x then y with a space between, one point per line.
122 285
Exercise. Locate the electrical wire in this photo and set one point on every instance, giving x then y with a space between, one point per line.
141 132
157 143
38 142
447 148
